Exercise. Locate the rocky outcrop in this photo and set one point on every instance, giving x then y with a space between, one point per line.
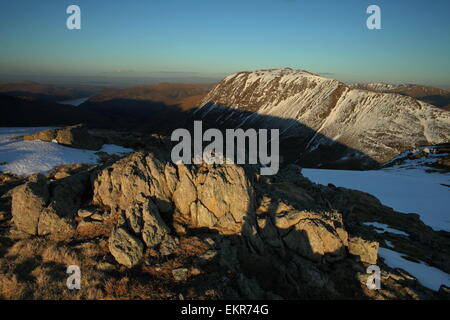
73 136
217 198
280 236
227 199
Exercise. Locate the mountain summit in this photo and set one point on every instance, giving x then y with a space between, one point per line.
322 116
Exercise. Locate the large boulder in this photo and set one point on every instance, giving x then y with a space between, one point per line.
55 226
219 198
28 202
48 208
78 137
185 192
140 224
145 221
225 199
73 136
135 178
314 235
48 135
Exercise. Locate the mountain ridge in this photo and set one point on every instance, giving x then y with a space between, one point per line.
380 125
439 97
38 91
22 112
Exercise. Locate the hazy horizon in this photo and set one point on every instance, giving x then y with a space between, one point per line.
108 81
125 44
127 82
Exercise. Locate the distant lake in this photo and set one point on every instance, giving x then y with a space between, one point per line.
74 102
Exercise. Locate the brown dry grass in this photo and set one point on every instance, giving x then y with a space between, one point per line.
35 268
11 287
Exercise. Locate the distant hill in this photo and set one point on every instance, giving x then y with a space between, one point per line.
144 108
151 106
167 93
47 92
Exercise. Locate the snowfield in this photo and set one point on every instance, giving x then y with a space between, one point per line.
428 276
26 157
405 190
381 228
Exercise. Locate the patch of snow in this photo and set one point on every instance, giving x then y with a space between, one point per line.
114 149
74 102
381 228
389 244
26 157
405 190
428 276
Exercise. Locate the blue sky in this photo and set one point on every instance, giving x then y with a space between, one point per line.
212 38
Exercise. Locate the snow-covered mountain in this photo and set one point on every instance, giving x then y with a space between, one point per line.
326 122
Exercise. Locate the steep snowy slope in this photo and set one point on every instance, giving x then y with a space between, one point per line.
436 96
324 116
413 90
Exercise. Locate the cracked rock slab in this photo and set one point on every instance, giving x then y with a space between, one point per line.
126 248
